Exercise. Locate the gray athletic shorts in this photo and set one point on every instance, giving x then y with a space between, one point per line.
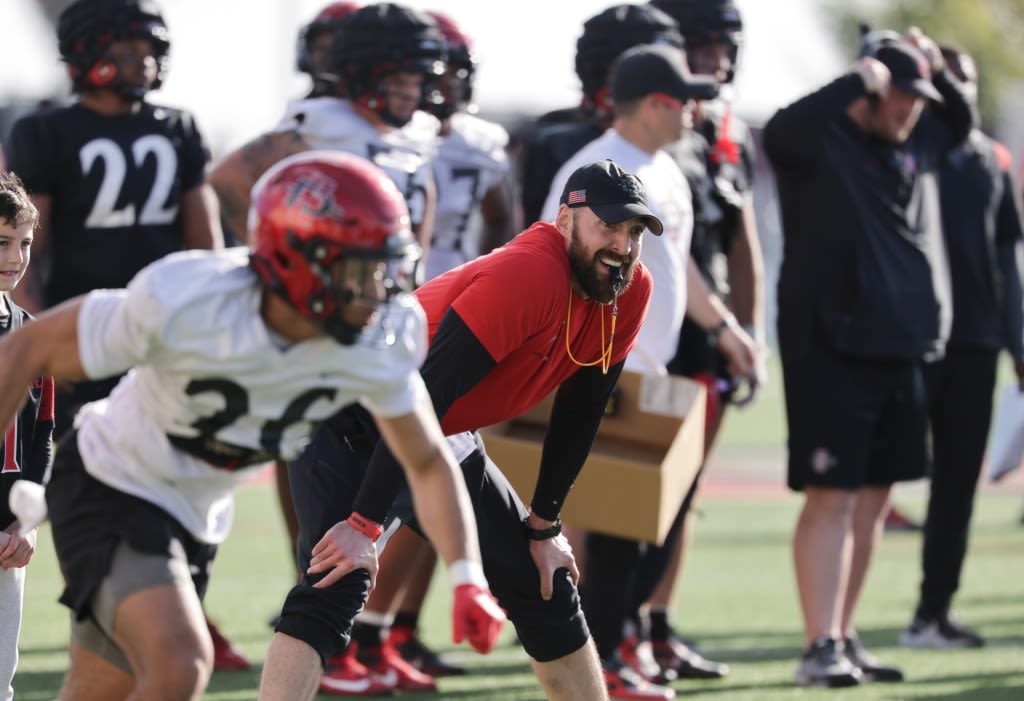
130 571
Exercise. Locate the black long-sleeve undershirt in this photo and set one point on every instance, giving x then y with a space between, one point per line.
456 362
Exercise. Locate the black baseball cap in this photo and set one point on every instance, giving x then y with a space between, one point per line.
908 69
652 68
612 192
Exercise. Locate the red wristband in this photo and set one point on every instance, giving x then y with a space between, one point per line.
365 526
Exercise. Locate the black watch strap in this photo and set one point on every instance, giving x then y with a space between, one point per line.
542 533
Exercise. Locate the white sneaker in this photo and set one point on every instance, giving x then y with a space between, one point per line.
942 633
824 664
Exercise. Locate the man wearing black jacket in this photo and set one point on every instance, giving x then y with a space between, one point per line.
982 225
864 298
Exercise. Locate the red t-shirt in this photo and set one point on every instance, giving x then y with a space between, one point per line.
515 301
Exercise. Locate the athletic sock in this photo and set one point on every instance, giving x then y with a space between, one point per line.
657 623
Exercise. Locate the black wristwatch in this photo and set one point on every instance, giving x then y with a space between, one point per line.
542 533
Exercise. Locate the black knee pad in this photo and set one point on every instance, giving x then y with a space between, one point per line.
323 618
549 629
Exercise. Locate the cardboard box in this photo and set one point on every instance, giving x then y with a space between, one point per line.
642 464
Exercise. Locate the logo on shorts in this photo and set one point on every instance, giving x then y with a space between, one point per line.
822 461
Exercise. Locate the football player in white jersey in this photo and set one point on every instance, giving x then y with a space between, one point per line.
235 358
473 217
387 59
470 167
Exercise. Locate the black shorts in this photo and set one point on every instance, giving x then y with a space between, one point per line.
854 421
89 519
324 481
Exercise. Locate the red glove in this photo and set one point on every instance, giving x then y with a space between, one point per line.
476 617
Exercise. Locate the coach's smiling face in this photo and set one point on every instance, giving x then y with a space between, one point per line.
602 256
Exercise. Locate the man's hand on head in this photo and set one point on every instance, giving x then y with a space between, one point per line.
874 74
927 46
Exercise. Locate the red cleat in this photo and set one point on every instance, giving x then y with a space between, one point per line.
347 676
625 684
226 657
387 665
639 655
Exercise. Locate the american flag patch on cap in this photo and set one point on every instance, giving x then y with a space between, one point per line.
576 197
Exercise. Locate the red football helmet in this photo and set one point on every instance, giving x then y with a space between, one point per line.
316 209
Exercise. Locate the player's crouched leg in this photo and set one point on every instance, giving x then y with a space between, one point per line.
134 569
322 618
548 630
554 632
323 482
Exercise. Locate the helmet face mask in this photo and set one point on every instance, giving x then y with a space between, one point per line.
87 32
332 239
399 94
456 86
381 40
706 22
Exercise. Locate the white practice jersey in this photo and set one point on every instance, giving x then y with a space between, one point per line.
213 394
403 153
471 159
666 256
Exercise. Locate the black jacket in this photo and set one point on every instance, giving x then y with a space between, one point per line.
864 264
982 222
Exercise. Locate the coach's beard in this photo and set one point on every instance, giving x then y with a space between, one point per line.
586 269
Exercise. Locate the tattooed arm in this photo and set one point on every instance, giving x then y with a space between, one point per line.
233 177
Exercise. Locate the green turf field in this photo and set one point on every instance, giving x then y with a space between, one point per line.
737 597
737 600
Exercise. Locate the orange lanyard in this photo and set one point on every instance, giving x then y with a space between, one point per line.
605 359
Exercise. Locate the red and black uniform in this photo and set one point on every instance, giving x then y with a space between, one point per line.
498 346
28 442
116 185
717 159
981 217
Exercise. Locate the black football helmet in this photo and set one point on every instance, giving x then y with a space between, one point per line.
87 28
326 21
703 22
379 40
610 33
460 58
